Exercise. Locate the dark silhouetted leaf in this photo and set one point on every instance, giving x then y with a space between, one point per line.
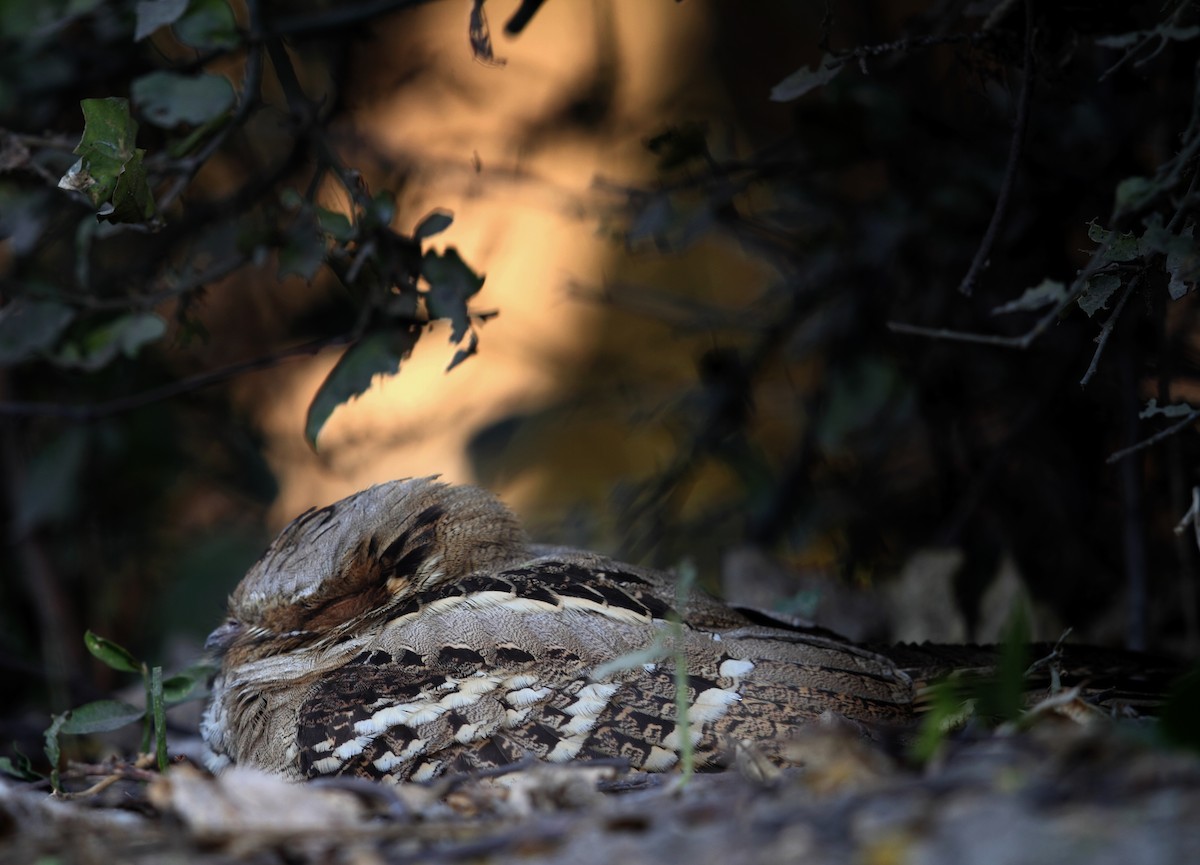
465 352
124 335
378 353
434 222
481 36
383 209
451 284
336 225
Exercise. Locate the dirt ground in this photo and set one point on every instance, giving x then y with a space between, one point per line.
1061 792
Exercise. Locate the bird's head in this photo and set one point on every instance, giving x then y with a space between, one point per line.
345 567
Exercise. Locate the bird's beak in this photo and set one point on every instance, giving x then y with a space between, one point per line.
222 638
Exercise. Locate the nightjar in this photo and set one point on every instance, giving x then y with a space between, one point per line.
411 630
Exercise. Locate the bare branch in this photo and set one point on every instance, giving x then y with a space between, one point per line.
1189 419
1106 332
984 252
167 391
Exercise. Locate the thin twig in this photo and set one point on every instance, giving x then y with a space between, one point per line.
338 17
984 252
306 111
149 301
1191 517
1095 264
1172 21
1191 418
251 86
904 46
1019 342
1106 332
165 392
1196 519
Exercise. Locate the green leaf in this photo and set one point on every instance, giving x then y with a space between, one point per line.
803 80
169 99
109 133
379 353
950 705
208 24
123 335
451 284
30 327
1153 409
102 716
1097 292
112 654
53 748
1046 293
21 768
1122 247
336 225
434 222
110 171
132 200
189 684
1001 695
152 14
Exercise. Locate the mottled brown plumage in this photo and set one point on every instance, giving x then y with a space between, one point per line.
411 630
